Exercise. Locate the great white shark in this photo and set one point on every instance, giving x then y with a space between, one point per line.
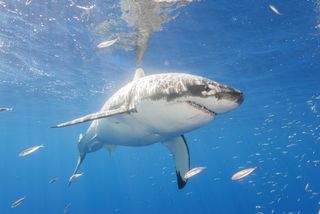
157 108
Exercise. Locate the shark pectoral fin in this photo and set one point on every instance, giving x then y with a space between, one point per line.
179 149
80 160
111 148
94 116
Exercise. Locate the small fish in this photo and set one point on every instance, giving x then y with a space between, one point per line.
107 43
28 2
66 208
194 171
165 1
242 173
74 176
30 150
18 202
307 188
53 180
4 109
86 8
275 10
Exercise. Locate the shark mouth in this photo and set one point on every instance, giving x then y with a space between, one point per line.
201 108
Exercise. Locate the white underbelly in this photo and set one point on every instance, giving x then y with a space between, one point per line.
153 122
126 130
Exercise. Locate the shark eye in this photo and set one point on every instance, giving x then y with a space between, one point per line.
206 88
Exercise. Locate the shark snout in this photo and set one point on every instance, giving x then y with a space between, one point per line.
230 94
226 99
240 98
233 95
237 96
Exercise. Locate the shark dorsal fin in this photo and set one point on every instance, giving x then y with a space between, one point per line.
139 74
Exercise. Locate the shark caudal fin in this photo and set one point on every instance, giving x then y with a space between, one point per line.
80 160
179 149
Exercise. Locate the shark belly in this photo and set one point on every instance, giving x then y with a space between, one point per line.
150 123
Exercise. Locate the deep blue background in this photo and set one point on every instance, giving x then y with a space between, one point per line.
51 71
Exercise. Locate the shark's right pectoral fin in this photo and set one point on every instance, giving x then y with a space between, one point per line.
179 149
95 116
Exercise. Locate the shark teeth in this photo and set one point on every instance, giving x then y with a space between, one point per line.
201 108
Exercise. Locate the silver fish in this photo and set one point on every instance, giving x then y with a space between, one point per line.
243 173
107 43
30 150
165 1
4 109
18 202
28 2
86 8
74 176
53 180
194 171
66 208
275 10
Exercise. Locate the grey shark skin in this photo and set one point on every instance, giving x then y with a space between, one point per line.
156 108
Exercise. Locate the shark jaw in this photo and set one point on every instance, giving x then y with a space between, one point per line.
214 100
201 108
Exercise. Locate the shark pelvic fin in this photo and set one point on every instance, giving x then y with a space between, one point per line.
95 116
179 149
111 148
139 74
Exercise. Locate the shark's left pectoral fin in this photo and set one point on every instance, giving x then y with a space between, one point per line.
95 116
179 149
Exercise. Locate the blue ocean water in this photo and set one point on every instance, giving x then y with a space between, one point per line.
51 71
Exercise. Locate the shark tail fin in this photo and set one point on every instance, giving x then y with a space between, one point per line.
80 160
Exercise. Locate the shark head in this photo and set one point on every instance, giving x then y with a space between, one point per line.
199 92
176 103
211 96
